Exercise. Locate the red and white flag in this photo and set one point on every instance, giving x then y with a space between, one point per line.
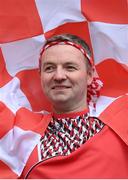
24 26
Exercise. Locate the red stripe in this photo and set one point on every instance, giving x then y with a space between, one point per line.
18 20
109 11
7 119
4 77
28 120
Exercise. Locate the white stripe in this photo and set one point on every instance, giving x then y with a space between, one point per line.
39 150
22 55
54 13
109 41
13 96
15 148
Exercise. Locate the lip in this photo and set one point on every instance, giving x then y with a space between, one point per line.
60 87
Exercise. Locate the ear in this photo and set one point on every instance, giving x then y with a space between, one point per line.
90 76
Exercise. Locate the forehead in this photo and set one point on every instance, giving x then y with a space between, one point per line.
63 53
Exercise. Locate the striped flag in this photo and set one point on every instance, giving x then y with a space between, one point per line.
24 27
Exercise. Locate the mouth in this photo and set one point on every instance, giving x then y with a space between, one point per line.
59 87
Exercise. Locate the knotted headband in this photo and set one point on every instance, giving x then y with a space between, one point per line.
93 90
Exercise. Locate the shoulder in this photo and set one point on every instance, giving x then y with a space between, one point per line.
116 117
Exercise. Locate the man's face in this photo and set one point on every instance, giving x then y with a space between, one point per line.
64 76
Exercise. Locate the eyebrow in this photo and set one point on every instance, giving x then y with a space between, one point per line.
47 63
52 63
70 63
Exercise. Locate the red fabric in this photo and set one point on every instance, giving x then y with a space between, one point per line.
18 20
35 122
119 84
6 78
100 157
6 172
71 114
117 117
108 11
9 121
103 156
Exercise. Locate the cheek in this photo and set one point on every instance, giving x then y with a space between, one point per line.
82 82
80 78
45 80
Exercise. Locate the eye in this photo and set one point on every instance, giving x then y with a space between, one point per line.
49 68
71 68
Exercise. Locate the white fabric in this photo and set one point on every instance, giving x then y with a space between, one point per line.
54 13
23 54
13 96
109 41
102 103
14 148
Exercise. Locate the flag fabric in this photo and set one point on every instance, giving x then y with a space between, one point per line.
24 27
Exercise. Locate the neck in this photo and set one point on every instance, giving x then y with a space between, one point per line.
60 109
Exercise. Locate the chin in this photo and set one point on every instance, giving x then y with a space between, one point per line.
59 100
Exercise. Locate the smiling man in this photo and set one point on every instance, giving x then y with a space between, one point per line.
74 144
65 77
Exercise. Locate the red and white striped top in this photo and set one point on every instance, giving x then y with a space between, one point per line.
66 133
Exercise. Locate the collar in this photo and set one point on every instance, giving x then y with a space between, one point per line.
70 115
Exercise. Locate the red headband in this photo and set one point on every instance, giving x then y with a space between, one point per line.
65 42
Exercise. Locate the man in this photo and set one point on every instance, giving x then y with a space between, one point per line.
74 145
66 72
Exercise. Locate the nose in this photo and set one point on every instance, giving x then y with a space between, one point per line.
59 74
